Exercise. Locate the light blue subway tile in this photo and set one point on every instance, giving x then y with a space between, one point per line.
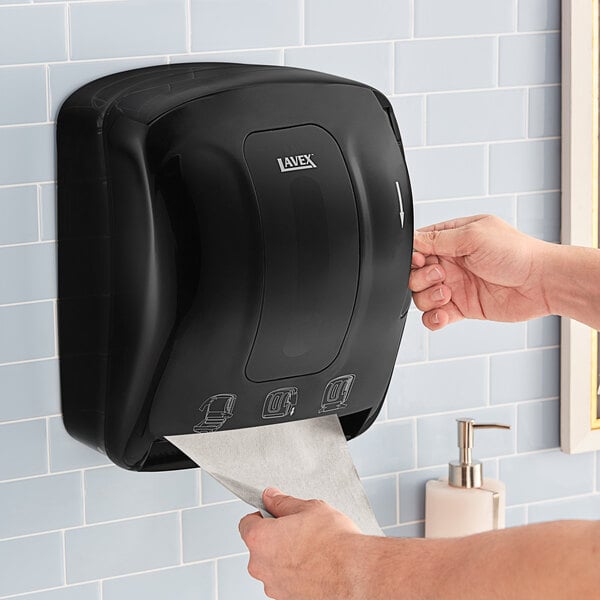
544 111
475 116
384 448
18 214
239 24
543 332
40 504
253 57
539 15
235 582
48 211
438 173
23 97
31 563
65 78
437 387
28 273
437 436
428 213
23 449
525 166
27 332
409 111
30 390
212 490
381 492
516 516
368 63
524 376
212 531
127 28
356 21
539 425
412 492
586 507
411 530
439 65
86 591
31 34
26 154
124 547
113 493
435 18
470 337
66 453
192 582
546 476
529 59
412 347
538 215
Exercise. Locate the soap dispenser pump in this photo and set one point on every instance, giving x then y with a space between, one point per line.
465 503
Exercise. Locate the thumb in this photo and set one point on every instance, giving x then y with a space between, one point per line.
446 242
280 505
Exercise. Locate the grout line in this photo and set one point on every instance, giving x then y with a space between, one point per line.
397 499
68 31
497 65
64 552
188 26
302 24
55 317
488 142
216 579
256 49
415 445
180 526
47 426
515 16
83 495
19 244
48 93
412 19
38 199
486 169
526 114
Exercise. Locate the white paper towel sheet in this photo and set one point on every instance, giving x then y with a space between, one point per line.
306 459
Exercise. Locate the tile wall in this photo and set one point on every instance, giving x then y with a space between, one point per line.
476 88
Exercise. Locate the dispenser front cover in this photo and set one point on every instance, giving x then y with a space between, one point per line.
234 250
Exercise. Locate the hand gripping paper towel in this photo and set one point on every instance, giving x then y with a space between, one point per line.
234 245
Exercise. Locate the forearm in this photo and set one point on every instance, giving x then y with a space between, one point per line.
571 281
554 561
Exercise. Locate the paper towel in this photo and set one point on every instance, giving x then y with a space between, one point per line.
306 459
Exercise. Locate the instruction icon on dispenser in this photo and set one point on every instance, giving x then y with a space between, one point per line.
336 393
218 409
280 403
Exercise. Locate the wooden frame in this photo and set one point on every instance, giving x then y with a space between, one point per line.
580 422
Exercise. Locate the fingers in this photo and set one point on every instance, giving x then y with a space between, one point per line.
418 260
453 223
248 523
280 505
440 317
421 279
433 297
449 242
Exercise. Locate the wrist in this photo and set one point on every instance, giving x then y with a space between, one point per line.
377 567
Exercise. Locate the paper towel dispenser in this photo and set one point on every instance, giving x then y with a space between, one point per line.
234 247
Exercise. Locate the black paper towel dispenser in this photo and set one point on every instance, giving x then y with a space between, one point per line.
234 247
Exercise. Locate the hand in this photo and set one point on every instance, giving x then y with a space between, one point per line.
477 268
305 553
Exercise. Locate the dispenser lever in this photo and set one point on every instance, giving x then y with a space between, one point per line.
490 426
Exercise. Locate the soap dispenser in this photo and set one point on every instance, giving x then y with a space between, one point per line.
465 502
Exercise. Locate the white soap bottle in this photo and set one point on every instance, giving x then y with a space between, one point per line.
464 503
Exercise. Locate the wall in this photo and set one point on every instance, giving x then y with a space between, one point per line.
475 84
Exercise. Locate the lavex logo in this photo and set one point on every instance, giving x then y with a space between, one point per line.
296 163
